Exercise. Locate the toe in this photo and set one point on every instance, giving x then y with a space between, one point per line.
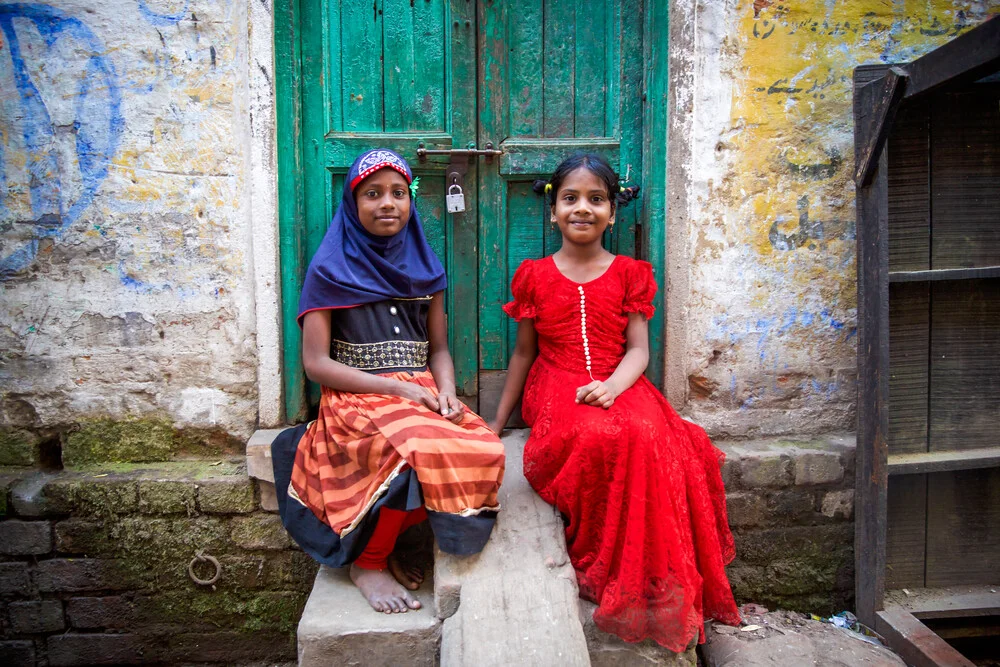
412 602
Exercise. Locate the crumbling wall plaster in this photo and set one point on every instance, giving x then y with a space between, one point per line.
125 240
768 303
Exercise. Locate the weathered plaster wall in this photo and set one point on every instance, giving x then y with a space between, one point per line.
125 239
762 272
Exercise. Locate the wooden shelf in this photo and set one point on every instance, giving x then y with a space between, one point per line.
944 274
947 602
963 459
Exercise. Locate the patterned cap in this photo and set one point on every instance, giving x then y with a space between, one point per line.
376 159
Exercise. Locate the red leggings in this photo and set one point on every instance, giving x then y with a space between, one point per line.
391 523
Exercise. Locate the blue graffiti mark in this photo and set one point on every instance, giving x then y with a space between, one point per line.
162 18
3 174
97 126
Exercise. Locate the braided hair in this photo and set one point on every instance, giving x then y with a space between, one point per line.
595 164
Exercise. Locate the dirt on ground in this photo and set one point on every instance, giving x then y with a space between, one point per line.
789 639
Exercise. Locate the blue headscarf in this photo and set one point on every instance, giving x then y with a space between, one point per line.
353 267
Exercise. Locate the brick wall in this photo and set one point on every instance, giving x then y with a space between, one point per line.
791 510
94 567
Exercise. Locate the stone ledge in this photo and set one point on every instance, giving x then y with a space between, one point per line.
778 463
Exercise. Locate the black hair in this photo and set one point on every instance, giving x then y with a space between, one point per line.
596 165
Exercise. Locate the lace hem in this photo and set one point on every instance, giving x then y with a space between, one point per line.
519 311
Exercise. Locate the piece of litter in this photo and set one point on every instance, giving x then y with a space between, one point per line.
749 628
216 463
102 475
993 590
906 592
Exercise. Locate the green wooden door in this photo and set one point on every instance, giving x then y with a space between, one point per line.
555 77
538 78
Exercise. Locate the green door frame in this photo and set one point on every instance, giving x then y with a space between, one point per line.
291 76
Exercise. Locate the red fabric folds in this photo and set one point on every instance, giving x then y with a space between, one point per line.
641 487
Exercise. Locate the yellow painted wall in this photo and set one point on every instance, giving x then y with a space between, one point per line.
772 250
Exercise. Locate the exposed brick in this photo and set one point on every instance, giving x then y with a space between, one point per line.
226 496
36 616
92 496
260 531
17 653
839 504
789 507
166 497
731 471
110 613
83 536
765 469
82 574
762 547
70 650
14 579
746 509
25 538
818 468
231 647
747 582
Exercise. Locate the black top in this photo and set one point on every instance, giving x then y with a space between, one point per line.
382 337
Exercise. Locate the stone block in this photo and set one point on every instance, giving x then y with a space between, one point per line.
103 613
260 531
838 504
818 468
73 650
84 537
789 507
746 509
337 621
230 495
259 454
765 469
36 616
268 498
228 647
521 588
748 582
607 650
291 570
17 653
25 538
731 471
810 543
83 574
28 497
166 497
14 579
106 496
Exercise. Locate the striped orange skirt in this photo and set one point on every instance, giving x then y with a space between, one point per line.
354 453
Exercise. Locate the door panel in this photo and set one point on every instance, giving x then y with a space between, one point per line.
398 74
568 79
551 77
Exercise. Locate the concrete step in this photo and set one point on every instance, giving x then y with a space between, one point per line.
516 603
338 627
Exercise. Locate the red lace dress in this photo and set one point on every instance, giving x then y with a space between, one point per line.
641 488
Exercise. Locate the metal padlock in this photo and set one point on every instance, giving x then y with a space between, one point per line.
455 201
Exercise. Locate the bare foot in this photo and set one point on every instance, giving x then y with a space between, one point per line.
410 576
382 591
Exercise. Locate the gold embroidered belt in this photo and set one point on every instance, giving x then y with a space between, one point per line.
382 355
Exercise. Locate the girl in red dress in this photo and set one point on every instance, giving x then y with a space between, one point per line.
639 487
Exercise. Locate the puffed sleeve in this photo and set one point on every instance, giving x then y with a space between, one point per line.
640 288
523 288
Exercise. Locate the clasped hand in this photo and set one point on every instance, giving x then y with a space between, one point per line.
445 403
597 393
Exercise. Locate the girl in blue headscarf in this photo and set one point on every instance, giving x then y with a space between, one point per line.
392 445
